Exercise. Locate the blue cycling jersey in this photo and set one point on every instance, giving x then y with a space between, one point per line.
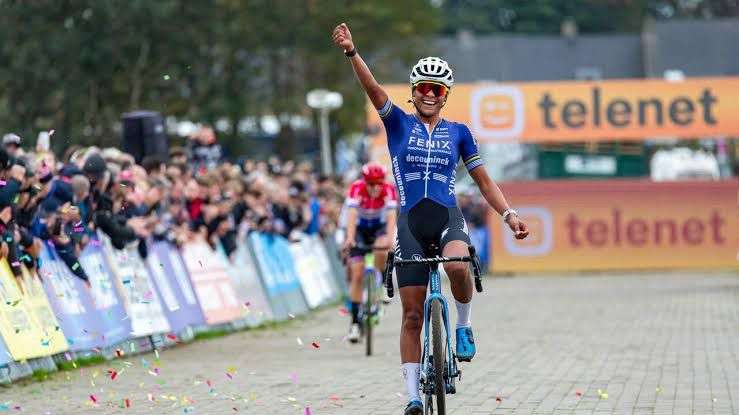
424 165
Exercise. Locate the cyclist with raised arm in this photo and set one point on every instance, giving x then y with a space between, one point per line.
424 150
370 225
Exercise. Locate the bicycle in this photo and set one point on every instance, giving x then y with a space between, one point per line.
371 309
438 362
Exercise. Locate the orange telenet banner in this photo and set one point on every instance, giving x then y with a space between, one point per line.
604 225
588 111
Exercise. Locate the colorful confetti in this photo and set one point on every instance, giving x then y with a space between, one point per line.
316 345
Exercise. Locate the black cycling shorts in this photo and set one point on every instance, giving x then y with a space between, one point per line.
364 239
426 223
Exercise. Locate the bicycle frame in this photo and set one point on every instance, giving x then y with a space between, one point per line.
435 294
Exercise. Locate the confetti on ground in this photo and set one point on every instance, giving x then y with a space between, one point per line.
93 399
578 393
294 378
498 399
300 342
291 315
307 410
316 345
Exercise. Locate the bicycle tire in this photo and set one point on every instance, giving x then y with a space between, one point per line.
438 345
369 280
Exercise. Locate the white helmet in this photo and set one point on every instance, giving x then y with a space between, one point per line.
432 69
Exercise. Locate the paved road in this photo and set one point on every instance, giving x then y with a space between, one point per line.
598 344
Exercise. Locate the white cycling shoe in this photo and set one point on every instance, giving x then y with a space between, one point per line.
386 298
354 333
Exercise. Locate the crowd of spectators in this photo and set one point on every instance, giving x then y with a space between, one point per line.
193 193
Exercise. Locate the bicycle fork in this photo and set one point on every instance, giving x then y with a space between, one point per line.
427 367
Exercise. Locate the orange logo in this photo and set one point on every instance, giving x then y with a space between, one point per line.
541 233
497 112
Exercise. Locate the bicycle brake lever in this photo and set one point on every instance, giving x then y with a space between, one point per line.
476 268
388 274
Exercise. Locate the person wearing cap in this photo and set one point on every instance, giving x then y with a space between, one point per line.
11 143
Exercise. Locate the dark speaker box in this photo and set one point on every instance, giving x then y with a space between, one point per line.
144 135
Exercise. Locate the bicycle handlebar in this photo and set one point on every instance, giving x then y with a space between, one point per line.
392 262
433 260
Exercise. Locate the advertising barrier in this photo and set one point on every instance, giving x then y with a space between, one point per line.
141 299
338 270
172 282
40 312
5 356
310 281
213 286
605 225
319 264
71 302
128 302
243 272
23 337
608 110
278 274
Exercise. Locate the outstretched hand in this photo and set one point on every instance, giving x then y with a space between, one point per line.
342 37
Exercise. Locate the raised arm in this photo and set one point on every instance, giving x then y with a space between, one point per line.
343 39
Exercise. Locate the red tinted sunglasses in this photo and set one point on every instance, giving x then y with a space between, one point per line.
438 89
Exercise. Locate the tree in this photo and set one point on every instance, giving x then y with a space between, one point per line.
76 65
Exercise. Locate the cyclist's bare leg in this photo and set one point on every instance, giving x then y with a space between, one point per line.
356 272
381 254
458 272
412 299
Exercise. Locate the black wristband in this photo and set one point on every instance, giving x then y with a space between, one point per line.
351 53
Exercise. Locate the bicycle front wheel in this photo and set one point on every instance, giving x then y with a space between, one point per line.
439 357
369 280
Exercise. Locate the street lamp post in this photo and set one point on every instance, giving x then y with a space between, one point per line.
324 101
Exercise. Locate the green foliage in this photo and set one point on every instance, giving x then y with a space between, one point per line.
75 65
542 16
591 16
80 362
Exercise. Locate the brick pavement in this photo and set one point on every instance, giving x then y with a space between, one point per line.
664 343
